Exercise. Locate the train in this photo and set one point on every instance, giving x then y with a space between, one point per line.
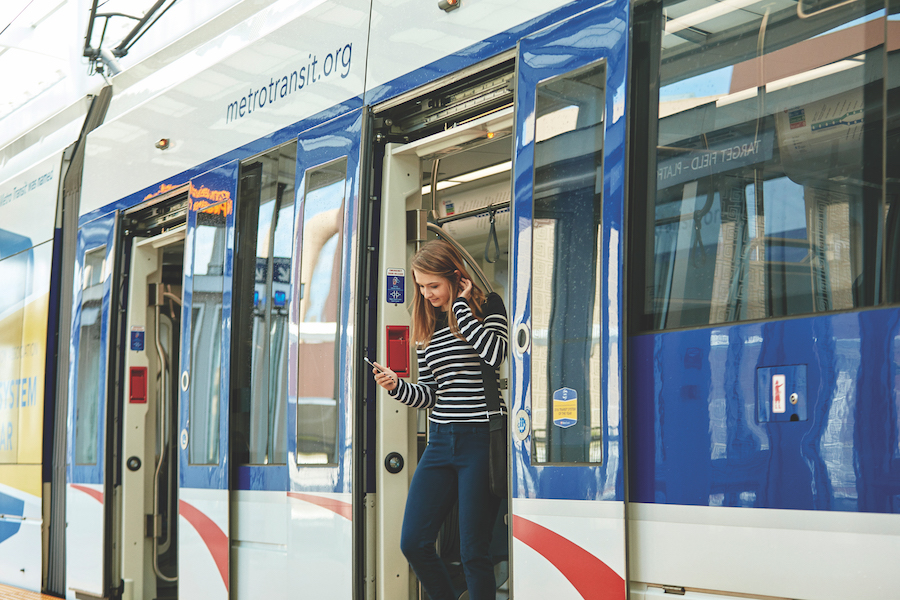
689 207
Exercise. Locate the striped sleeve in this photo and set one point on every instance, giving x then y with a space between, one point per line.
488 337
418 395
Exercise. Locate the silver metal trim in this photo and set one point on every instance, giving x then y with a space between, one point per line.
445 81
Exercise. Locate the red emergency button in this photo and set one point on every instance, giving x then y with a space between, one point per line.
398 349
138 386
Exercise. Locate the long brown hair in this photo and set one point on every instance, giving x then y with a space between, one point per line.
440 259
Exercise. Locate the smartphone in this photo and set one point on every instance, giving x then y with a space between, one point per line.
366 358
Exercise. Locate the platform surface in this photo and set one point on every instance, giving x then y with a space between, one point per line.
13 593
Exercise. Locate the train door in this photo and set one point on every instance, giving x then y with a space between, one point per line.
90 499
568 510
324 496
203 441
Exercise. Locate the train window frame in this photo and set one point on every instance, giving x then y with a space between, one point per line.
568 441
302 291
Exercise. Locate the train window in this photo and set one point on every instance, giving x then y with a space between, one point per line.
567 423
768 195
206 333
318 353
90 353
265 224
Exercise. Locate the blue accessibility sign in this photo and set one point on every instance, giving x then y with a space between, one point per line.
396 286
137 339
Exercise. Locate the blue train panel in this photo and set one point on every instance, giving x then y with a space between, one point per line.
698 428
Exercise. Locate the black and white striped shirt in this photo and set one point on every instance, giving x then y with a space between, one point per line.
450 377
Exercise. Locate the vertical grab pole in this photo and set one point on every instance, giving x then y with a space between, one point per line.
162 430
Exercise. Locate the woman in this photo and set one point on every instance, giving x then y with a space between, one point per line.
454 327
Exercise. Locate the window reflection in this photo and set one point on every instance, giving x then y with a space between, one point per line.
768 162
265 224
206 334
90 353
567 423
320 301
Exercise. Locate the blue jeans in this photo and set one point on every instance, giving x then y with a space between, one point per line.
453 467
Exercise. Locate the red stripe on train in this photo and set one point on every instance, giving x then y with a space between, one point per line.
592 577
211 534
345 509
95 494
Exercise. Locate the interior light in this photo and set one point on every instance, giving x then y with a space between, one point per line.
442 185
471 176
481 173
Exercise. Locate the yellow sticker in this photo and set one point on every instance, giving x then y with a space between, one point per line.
565 407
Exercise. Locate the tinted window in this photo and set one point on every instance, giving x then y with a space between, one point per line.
566 292
265 224
320 301
769 188
206 334
90 355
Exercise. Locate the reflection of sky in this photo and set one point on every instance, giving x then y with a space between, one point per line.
262 229
870 17
205 239
785 207
284 233
714 83
321 281
284 230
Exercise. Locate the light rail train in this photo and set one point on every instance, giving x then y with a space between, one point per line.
690 207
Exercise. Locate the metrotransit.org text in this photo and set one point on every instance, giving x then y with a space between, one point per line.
334 63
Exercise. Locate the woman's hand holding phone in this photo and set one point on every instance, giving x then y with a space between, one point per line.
383 376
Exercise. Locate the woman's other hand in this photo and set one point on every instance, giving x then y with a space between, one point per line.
385 377
465 288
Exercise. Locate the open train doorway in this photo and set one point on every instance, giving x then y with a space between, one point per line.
446 173
155 233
